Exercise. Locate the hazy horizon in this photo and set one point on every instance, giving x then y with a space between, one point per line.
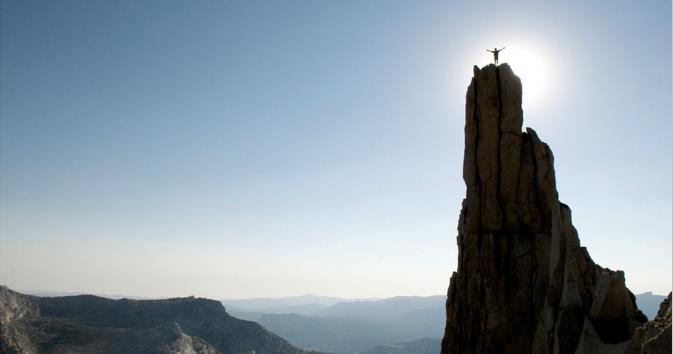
140 297
38 292
251 149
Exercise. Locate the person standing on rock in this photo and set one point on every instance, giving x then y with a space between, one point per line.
495 52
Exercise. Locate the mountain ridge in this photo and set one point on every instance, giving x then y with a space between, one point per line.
88 323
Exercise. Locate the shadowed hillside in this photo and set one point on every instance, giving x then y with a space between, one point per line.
88 324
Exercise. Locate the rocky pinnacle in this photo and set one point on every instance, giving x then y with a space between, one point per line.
524 284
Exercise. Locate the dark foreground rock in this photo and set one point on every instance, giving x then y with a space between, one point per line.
91 324
654 337
524 283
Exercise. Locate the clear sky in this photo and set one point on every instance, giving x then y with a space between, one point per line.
237 149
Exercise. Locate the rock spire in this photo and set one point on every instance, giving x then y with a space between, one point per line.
524 284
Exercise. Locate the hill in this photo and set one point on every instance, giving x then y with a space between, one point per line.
88 324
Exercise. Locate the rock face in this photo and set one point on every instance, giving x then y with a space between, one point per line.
524 284
92 324
654 337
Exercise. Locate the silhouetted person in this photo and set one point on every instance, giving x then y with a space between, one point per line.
495 52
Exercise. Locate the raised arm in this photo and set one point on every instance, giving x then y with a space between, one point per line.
488 50
503 48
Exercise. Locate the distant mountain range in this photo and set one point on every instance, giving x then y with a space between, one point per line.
347 326
386 310
394 325
307 305
649 303
259 303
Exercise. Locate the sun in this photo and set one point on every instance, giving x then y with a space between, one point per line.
532 68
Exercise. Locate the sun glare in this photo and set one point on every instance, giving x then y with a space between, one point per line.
531 67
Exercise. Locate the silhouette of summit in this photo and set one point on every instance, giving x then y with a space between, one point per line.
524 284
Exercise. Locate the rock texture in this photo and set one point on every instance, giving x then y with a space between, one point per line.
524 284
16 310
91 324
654 337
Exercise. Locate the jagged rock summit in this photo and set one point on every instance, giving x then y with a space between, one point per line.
524 284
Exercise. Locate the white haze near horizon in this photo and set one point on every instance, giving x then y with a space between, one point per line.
263 149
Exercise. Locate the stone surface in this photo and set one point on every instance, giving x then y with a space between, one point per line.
654 337
524 284
92 324
15 311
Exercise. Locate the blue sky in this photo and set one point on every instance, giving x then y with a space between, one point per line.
266 148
